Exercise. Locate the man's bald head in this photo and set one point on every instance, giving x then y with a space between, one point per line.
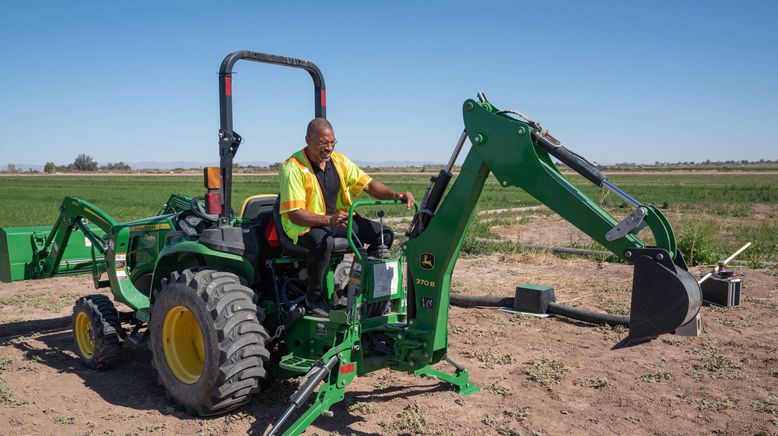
320 139
318 125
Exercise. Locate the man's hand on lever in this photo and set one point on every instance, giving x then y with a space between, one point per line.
339 219
302 217
407 197
380 191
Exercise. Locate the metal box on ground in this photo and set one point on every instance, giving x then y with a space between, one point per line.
722 289
533 298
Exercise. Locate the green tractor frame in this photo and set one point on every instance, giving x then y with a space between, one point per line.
217 296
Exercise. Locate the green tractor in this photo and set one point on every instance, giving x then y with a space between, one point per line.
216 295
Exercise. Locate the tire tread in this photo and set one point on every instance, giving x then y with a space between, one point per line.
107 328
242 351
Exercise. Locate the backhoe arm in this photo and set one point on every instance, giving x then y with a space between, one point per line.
665 295
513 150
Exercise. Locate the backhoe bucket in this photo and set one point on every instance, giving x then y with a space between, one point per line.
18 246
665 296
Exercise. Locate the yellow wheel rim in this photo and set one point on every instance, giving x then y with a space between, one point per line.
183 344
83 332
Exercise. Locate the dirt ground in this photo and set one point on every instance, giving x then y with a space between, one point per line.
537 376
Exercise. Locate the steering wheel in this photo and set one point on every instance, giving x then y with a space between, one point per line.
197 208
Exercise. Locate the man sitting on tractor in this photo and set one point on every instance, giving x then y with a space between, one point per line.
316 188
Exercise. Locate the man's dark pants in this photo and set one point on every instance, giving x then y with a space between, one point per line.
319 242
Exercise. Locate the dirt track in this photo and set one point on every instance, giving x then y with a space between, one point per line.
725 381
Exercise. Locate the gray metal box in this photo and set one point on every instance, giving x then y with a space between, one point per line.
533 298
722 291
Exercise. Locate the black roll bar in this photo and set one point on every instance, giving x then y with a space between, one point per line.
229 141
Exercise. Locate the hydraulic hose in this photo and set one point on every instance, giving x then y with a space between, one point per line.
482 300
556 308
588 315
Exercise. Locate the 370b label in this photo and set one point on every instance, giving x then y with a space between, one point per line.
424 282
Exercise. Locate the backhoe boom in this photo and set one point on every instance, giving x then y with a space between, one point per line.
664 295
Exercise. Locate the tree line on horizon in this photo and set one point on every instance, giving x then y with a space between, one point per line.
86 163
82 163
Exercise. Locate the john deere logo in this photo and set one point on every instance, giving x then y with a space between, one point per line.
427 261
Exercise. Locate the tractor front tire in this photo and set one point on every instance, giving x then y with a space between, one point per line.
97 332
207 341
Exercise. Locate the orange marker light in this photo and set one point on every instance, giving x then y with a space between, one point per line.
212 177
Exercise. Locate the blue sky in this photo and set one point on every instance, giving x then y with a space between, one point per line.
615 80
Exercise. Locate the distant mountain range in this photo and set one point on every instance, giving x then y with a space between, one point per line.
191 164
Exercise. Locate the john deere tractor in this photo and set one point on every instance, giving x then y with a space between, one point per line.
216 295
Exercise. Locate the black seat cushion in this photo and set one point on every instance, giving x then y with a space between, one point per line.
340 245
257 205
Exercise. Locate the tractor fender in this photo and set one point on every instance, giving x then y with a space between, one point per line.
191 254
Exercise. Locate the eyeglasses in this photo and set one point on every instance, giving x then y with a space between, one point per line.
326 143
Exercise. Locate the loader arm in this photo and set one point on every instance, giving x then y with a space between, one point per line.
665 295
74 212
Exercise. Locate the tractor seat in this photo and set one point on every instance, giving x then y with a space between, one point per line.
290 248
256 205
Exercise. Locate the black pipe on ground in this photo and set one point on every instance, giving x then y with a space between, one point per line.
556 308
588 315
483 300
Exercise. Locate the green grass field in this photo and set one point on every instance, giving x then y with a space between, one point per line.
709 204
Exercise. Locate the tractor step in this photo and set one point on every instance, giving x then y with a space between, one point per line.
296 364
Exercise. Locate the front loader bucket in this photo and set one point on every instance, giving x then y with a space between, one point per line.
18 246
665 296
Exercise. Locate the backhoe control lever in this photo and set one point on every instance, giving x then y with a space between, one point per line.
629 224
382 251
569 157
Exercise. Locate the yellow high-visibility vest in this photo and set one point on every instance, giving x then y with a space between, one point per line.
300 188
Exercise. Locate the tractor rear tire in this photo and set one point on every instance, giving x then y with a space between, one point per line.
207 341
97 332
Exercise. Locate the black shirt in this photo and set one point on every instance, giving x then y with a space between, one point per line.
330 185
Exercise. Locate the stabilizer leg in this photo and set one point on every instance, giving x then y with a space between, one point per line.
460 380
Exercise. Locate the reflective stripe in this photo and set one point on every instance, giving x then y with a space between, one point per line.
288 206
308 177
320 207
361 183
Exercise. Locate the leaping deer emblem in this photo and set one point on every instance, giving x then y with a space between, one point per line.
427 261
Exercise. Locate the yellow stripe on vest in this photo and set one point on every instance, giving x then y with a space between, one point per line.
308 181
288 206
364 180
